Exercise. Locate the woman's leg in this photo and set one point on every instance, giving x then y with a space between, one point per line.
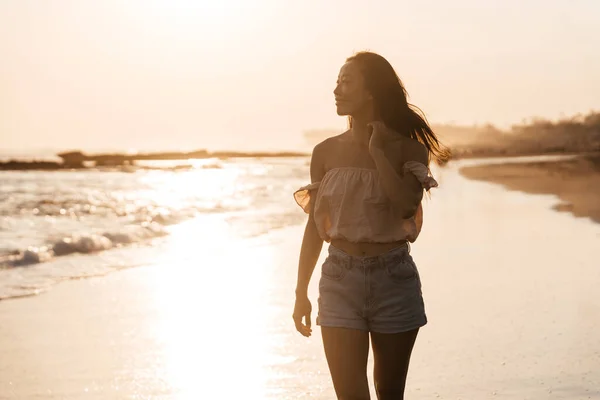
347 351
391 353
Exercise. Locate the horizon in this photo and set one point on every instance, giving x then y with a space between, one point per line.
306 148
247 76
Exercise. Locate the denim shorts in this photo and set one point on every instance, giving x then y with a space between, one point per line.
373 293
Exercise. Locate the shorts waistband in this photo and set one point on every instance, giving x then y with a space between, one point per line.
344 257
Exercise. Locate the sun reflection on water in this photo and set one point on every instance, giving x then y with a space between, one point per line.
209 187
213 315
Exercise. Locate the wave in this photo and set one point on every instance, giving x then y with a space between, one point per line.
84 244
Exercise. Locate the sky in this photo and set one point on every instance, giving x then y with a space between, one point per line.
142 75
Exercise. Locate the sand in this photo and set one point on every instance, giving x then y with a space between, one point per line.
576 182
510 285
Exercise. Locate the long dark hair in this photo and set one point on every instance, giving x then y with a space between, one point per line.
392 106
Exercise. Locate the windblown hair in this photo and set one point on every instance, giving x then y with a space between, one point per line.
392 106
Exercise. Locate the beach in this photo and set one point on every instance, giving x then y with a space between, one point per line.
151 154
576 181
510 288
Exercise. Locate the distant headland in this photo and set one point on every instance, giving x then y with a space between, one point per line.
80 160
571 135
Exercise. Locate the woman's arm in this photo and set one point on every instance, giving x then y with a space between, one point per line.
310 251
311 241
309 254
404 190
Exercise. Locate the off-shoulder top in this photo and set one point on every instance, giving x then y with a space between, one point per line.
350 204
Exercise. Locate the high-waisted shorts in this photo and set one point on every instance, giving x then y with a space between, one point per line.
374 293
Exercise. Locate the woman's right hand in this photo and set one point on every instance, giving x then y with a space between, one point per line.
302 309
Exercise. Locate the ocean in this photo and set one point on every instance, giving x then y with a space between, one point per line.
510 288
61 225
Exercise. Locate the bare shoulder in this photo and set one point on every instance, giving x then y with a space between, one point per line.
329 144
411 150
319 157
416 151
334 140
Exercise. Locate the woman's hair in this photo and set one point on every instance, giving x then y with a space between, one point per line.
391 104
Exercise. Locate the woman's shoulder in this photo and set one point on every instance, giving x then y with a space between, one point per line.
322 152
409 149
416 151
331 142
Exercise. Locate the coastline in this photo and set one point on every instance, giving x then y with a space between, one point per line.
575 181
184 324
77 160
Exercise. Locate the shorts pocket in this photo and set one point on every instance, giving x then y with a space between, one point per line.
401 268
333 269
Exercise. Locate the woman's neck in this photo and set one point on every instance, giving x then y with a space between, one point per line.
361 132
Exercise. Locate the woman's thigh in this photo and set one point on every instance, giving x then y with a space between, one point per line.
347 352
391 353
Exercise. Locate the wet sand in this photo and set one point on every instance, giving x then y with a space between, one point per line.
510 286
576 182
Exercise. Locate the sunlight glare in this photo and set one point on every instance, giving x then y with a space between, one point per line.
199 15
212 317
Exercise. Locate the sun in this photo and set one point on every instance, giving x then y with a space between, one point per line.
199 14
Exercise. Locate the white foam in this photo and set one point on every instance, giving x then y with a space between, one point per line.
84 244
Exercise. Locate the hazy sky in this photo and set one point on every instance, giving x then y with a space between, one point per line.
250 74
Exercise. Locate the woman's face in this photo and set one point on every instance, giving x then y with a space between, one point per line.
351 96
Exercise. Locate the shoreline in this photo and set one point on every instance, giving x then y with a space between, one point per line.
575 181
78 160
164 329
498 155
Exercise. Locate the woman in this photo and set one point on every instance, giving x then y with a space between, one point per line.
365 200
